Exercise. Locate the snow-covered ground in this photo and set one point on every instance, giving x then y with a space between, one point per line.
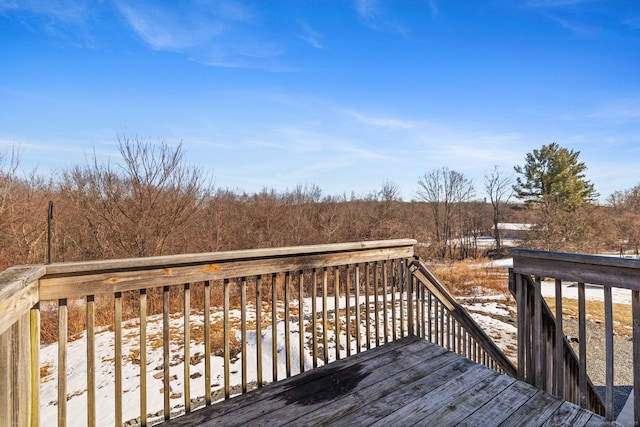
570 289
105 370
105 366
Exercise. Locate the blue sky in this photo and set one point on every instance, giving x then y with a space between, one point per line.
341 94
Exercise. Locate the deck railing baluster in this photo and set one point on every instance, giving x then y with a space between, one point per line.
423 291
385 312
448 323
301 339
367 309
117 332
258 309
376 301
609 358
314 316
537 335
441 316
356 285
336 315
409 280
635 310
402 288
207 342
325 316
394 290
430 317
187 347
243 331
166 355
227 344
347 314
91 360
62 361
274 328
559 343
582 337
143 357
287 324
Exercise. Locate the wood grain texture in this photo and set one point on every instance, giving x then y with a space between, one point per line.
406 382
610 271
117 277
18 293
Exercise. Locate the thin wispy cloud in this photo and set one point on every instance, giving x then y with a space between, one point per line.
310 36
374 15
379 122
619 110
70 22
368 10
568 14
220 34
70 12
573 26
162 29
633 23
555 3
435 11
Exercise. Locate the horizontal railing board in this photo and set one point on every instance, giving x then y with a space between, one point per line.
84 267
18 293
594 269
78 286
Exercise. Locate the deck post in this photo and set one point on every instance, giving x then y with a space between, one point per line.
522 318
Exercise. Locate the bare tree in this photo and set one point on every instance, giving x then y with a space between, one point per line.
140 207
443 189
499 188
9 163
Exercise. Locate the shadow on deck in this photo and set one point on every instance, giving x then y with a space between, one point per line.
406 382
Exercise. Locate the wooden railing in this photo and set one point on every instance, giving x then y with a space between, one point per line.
545 356
442 320
266 314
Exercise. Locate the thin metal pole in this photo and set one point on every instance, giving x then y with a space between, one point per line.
49 218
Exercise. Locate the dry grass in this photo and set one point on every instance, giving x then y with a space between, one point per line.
131 303
472 277
594 311
46 369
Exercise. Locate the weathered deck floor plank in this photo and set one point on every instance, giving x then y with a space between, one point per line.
407 382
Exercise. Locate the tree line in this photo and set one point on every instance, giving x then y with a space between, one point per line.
152 202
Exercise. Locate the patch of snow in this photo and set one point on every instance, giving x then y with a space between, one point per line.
592 292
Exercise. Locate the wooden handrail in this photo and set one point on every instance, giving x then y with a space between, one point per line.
436 287
71 280
542 343
581 268
168 261
18 293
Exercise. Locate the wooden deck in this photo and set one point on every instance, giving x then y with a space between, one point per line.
407 382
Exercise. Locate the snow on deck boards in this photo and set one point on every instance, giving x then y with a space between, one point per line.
406 382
